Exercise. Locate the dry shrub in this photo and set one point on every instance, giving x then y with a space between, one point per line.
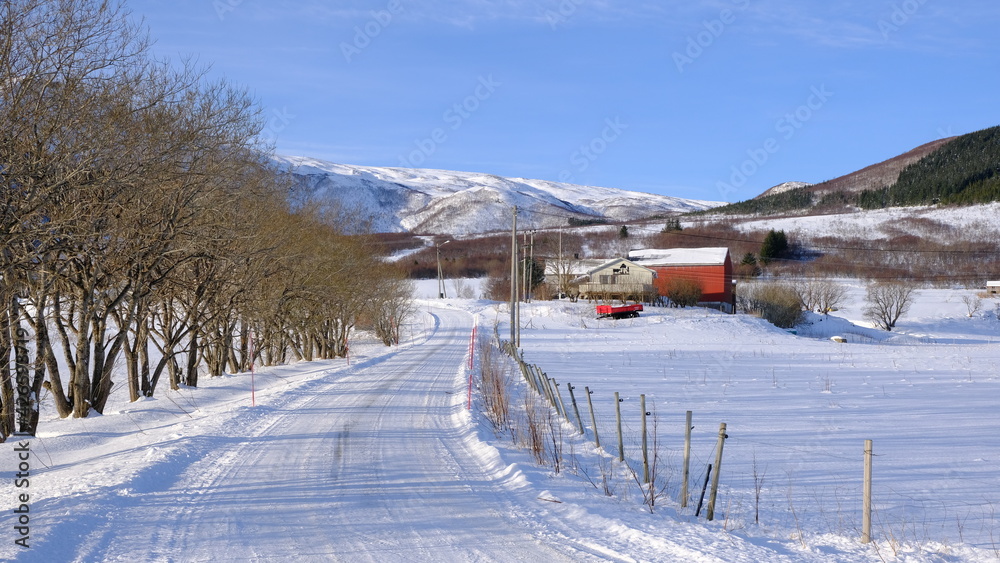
684 292
497 286
932 259
533 431
544 292
460 258
710 234
776 302
494 387
606 243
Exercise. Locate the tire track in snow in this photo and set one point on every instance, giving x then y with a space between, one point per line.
355 467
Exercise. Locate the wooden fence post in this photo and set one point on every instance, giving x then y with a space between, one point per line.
593 419
535 383
543 384
866 514
687 459
618 415
576 409
710 513
543 380
645 443
554 387
561 407
551 391
525 369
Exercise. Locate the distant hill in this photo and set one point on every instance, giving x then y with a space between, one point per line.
963 171
955 170
444 202
879 175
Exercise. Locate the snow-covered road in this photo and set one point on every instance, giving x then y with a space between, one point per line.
379 460
373 465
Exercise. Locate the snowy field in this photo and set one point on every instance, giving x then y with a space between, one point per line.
799 407
321 465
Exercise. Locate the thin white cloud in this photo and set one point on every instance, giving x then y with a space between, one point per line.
470 13
842 24
863 24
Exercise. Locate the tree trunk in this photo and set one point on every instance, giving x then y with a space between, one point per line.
47 358
81 374
192 362
6 385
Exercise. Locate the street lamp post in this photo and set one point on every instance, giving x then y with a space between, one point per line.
441 290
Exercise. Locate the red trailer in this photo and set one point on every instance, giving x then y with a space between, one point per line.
619 312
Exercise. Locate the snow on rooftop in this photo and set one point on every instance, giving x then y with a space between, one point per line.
574 266
680 256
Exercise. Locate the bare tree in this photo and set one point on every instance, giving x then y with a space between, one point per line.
391 306
887 301
463 289
67 82
139 219
110 163
973 304
821 295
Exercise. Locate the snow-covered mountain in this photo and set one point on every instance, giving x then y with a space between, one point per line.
439 201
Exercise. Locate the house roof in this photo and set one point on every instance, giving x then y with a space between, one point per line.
571 267
709 256
617 262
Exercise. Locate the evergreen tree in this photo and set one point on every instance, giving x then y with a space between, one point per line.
748 266
965 170
672 225
775 246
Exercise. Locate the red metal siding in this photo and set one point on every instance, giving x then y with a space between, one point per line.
716 281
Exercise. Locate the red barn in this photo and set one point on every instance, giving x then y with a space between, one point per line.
711 267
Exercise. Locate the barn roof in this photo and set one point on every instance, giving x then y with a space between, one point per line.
709 256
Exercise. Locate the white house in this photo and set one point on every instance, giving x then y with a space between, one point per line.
618 279
563 275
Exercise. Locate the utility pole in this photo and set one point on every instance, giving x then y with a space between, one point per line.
441 290
514 332
531 266
560 272
524 269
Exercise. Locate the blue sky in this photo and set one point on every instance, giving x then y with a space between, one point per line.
715 100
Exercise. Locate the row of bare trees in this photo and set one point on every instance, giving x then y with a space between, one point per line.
143 226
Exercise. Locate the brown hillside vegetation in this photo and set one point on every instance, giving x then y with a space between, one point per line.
879 175
916 248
